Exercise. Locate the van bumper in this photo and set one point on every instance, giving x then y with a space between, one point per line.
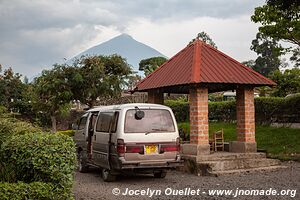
152 165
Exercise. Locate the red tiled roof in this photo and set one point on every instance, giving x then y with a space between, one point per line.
201 63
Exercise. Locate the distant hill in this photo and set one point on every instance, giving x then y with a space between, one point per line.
125 46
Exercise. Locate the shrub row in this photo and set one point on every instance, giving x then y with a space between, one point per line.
34 190
35 165
10 126
41 157
267 110
69 133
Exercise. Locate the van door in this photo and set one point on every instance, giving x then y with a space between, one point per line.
90 131
101 139
79 136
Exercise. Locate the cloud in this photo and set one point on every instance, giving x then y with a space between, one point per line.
232 36
36 34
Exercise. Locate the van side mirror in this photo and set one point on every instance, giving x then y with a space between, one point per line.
75 126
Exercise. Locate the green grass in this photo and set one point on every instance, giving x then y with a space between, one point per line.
281 143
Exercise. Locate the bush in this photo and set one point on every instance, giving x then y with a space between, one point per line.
267 110
66 132
180 109
216 110
41 157
11 126
222 111
34 190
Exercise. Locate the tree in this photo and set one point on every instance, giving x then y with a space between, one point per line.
295 58
87 79
205 38
52 93
133 81
11 88
99 76
288 82
150 64
280 20
249 63
269 52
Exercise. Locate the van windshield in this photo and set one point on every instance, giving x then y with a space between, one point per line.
155 120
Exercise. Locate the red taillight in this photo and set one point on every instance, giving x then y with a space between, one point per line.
170 147
120 147
135 149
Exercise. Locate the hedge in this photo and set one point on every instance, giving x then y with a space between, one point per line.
10 126
39 157
180 109
267 110
34 190
69 133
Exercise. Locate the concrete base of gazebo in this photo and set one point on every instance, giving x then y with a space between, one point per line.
246 147
204 149
221 163
194 149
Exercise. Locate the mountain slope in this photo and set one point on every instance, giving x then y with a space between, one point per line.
125 46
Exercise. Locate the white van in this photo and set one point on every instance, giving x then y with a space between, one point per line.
130 137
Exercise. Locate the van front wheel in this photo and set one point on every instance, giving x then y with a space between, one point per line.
107 176
82 165
161 174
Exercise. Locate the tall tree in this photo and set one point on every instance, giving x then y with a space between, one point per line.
205 38
11 88
269 52
280 20
52 93
86 80
99 76
133 81
150 64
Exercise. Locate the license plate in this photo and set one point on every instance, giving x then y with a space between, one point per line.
151 149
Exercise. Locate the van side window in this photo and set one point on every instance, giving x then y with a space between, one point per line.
115 123
93 119
103 122
82 123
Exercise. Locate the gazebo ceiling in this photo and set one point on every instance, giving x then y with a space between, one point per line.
201 64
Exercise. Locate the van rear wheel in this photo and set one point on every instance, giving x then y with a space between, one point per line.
82 164
161 174
107 176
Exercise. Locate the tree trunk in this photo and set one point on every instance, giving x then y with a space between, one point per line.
53 121
92 103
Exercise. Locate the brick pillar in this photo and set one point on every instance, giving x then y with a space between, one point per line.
155 96
199 139
245 121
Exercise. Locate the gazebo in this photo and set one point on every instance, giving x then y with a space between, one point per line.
197 70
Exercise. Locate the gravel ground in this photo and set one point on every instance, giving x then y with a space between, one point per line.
91 186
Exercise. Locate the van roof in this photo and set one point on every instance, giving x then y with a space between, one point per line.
128 105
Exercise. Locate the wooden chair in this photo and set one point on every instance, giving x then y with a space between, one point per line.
218 140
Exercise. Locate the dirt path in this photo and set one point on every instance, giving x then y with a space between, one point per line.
91 186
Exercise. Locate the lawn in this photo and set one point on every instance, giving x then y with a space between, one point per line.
282 143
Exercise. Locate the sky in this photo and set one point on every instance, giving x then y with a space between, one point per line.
35 34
